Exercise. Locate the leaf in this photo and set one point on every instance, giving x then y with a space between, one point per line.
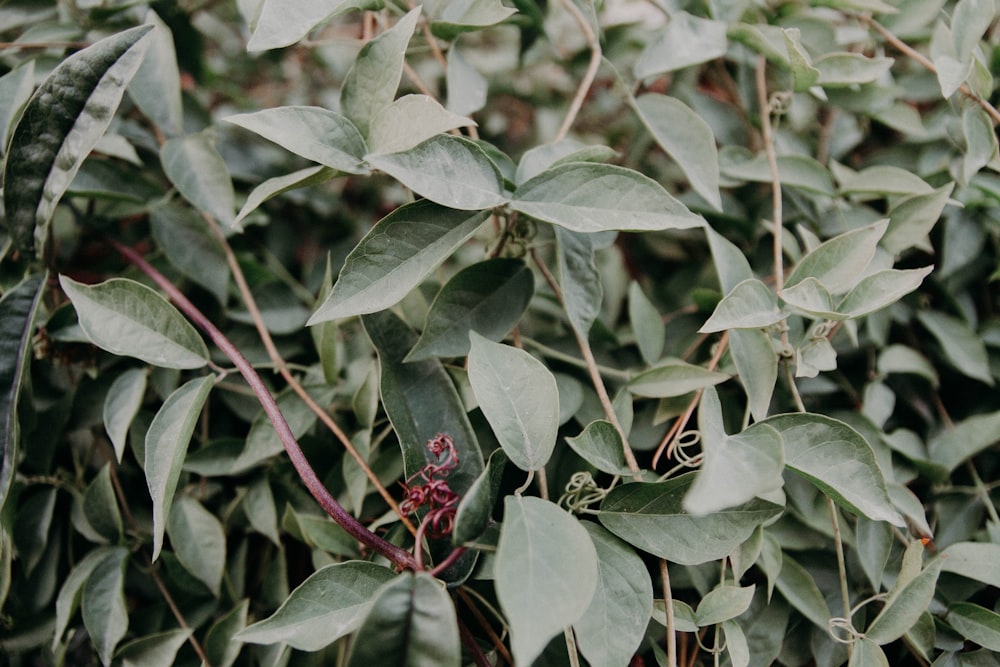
16 87
278 185
261 511
587 197
409 121
475 510
283 24
487 297
370 84
458 16
839 263
964 440
749 305
185 239
960 344
467 88
328 605
536 160
883 180
156 86
18 306
71 591
166 445
651 517
673 377
317 134
546 573
600 445
849 69
687 40
451 171
904 606
974 560
411 623
730 263
156 650
647 323
127 318
902 359
874 545
839 461
687 138
101 507
519 398
975 623
579 279
881 289
59 126
980 141
798 587
811 298
198 540
395 256
796 171
757 367
736 468
912 218
199 173
723 603
969 22
867 653
612 628
104 611
220 645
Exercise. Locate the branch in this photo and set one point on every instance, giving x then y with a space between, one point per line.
589 75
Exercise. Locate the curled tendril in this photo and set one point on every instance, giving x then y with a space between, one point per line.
838 625
581 492
684 442
434 494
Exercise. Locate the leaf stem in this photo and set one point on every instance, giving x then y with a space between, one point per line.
841 564
397 555
589 75
668 608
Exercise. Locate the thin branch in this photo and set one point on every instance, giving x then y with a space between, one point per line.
668 607
397 555
841 565
282 368
472 646
588 78
470 603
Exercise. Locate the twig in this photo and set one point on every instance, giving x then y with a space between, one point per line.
485 625
589 75
668 607
471 645
397 555
841 565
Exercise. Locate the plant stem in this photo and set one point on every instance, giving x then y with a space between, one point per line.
668 607
470 603
841 564
574 658
589 75
552 353
397 555
471 645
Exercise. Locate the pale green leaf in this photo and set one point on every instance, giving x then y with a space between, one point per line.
804 73
867 653
104 612
316 134
810 297
686 40
467 88
586 197
673 377
736 644
519 398
127 318
749 305
647 324
281 23
545 156
451 171
409 121
965 439
687 138
969 21
884 180
905 605
220 646
184 237
273 187
881 289
757 366
952 71
156 86
796 171
395 256
975 623
912 218
475 510
798 587
199 173
730 263
579 278
198 540
458 16
839 263
849 69
166 445
100 506
981 146
600 445
326 606
546 573
960 344
16 87
723 603
975 560
156 650
902 359
261 511
71 591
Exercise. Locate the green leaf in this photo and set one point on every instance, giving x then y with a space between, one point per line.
612 628
673 377
975 560
487 297
329 604
101 507
904 606
849 69
475 510
15 90
587 197
282 24
964 440
723 603
579 279
59 126
881 289
867 653
314 133
18 306
104 611
185 239
395 256
261 511
156 87
198 540
519 398
127 318
975 623
902 359
730 263
121 406
811 298
157 650
757 366
874 545
796 171
278 185
319 532
412 623
32 526
546 573
980 140
883 180
451 171
969 21
647 323
749 305
199 173
960 344
839 461
839 263
409 121
736 468
687 138
166 445
220 645
651 517
467 88
912 218
71 592
600 445
458 16
687 40
798 587
370 84
545 156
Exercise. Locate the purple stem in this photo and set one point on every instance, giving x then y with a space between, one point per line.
397 555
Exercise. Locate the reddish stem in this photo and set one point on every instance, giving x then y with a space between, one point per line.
397 555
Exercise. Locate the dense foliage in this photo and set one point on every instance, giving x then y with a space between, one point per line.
360 333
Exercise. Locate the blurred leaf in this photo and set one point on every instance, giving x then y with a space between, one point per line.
458 16
197 170
409 121
975 623
278 185
687 40
546 573
101 507
980 140
912 218
874 546
960 344
798 587
467 88
104 610
187 242
156 650
261 511
849 69
902 359
969 437
16 87
71 591
282 24
883 180
198 540
221 647
969 21
545 156
600 445
156 86
647 323
976 560
673 377
723 603
749 305
796 171
395 256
